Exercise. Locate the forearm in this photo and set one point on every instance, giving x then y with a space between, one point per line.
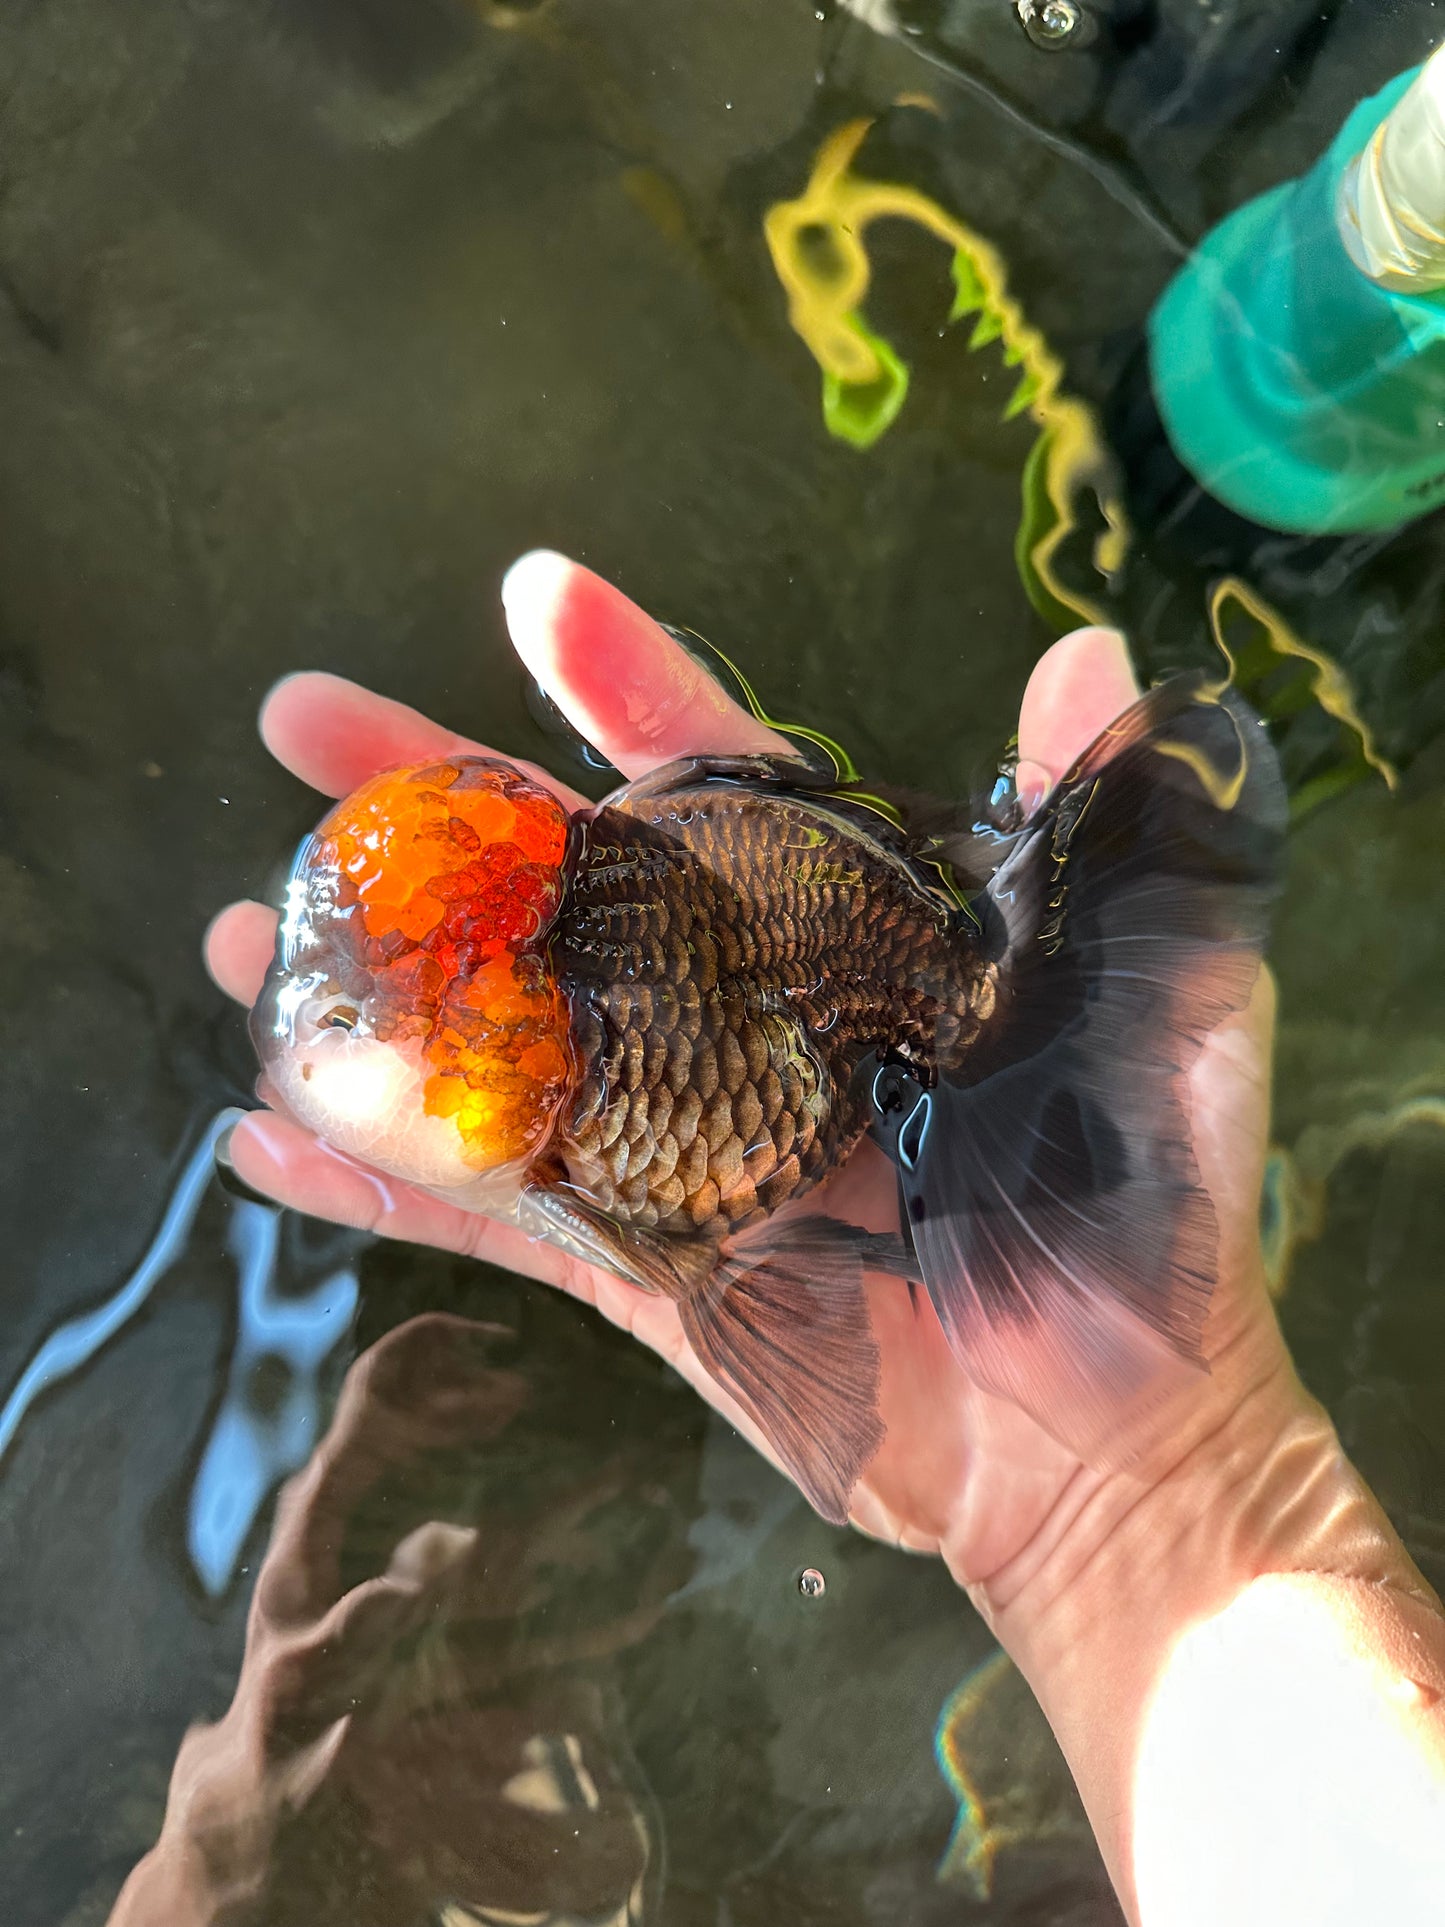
1247 1675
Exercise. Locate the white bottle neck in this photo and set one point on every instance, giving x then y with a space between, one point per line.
1392 196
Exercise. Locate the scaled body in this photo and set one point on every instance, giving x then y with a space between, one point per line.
730 954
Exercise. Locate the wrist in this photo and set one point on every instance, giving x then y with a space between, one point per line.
1259 1488
209 1866
173 1884
1259 1504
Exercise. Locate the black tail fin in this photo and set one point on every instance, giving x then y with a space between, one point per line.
1051 1189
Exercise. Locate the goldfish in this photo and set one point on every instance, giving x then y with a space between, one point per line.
646 1030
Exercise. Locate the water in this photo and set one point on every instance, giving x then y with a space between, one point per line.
311 318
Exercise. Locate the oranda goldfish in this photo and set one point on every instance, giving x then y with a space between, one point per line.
643 1029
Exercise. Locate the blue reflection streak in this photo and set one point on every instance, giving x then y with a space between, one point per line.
250 1451
76 1342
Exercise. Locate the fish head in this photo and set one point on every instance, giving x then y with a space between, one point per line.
410 1017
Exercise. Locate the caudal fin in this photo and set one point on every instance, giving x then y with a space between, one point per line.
1051 1188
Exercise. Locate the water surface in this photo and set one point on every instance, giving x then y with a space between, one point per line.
312 316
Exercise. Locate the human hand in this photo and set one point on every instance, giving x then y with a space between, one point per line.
960 1472
412 1701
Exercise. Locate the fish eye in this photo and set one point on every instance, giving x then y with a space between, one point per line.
340 1017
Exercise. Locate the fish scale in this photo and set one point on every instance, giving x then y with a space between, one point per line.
728 960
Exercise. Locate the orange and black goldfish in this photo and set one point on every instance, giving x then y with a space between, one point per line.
642 1029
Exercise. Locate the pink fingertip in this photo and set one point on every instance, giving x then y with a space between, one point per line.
1077 688
250 1136
621 679
305 683
208 938
237 948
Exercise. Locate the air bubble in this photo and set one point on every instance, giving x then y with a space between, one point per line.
1054 23
812 1584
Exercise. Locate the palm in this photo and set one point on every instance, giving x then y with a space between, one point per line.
959 1471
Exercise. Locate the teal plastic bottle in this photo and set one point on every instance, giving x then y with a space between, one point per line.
1298 358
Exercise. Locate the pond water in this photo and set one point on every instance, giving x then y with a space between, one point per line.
313 315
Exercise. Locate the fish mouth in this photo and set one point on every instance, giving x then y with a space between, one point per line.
360 1093
408 1099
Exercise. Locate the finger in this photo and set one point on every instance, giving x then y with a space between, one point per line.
276 1157
238 946
334 734
1076 690
317 1677
633 692
428 1384
1229 1114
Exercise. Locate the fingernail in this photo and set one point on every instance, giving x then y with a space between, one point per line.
224 1125
531 591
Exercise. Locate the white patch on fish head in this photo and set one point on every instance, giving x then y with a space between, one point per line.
366 1095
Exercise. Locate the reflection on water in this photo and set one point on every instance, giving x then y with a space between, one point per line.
1284 677
1013 1790
311 318
820 254
268 1420
453 1754
76 1342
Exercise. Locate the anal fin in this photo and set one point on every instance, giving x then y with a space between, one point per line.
782 1324
778 1317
